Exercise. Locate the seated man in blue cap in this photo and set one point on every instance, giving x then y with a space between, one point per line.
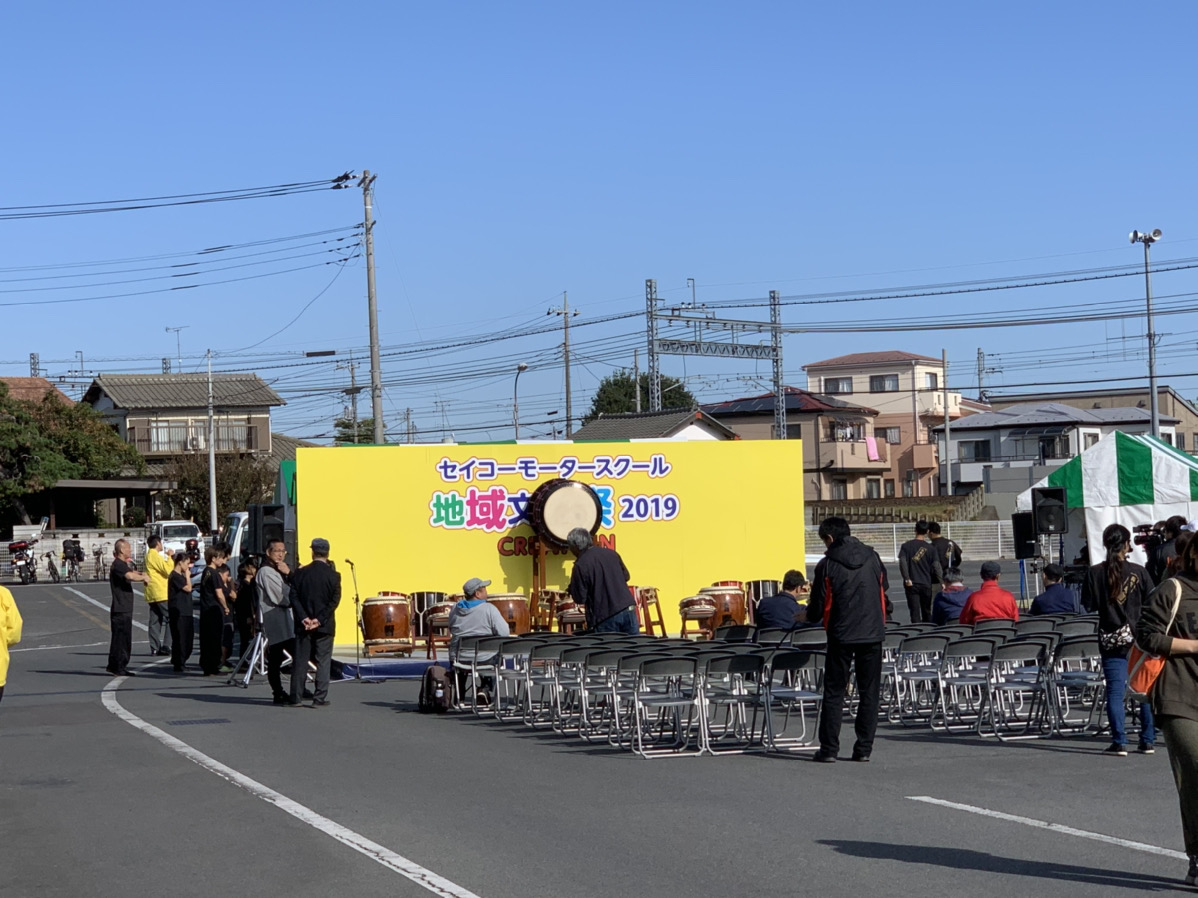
783 610
1057 598
474 616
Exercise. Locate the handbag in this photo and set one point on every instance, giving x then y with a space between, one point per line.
1116 639
1144 669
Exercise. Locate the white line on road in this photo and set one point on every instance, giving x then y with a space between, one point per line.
43 648
389 859
100 604
1053 827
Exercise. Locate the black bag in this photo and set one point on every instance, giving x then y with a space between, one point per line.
436 691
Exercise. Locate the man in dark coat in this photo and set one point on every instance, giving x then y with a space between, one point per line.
782 611
315 595
848 595
920 567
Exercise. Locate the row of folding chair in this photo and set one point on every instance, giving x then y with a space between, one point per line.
655 697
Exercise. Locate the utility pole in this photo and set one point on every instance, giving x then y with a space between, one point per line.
211 455
636 378
407 417
654 361
376 374
35 365
776 348
352 392
564 311
981 375
946 461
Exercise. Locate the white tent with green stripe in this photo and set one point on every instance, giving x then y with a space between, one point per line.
1123 479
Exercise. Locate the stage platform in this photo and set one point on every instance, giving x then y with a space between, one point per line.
385 667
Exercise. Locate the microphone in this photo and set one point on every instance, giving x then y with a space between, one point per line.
350 563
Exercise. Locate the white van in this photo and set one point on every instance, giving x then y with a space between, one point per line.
175 534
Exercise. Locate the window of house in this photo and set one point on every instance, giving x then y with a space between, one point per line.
873 488
973 450
908 489
883 383
931 381
892 435
839 385
1181 440
1055 446
1089 439
793 432
845 432
1167 437
888 487
840 488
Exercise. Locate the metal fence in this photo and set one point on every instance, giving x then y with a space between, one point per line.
87 569
979 540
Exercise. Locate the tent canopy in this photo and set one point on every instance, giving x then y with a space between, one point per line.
1126 479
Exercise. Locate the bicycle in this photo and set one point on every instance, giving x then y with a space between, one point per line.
100 553
52 564
74 573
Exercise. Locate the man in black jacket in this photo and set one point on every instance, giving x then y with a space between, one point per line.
848 594
600 582
315 595
920 567
948 553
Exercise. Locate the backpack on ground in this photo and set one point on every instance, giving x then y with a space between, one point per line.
436 691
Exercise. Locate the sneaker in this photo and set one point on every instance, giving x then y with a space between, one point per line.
1115 750
861 757
824 757
1192 875
225 668
1146 749
484 698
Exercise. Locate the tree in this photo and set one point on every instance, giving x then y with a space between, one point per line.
44 442
241 481
617 394
344 431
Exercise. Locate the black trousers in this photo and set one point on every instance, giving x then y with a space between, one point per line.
274 666
919 603
318 647
183 627
120 646
212 626
840 656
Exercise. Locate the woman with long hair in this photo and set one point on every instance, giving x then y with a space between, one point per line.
1168 627
1116 589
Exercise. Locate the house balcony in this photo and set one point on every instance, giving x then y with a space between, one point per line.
923 456
170 440
853 455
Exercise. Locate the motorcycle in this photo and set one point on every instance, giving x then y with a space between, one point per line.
24 561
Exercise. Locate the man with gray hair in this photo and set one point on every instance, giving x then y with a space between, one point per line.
599 582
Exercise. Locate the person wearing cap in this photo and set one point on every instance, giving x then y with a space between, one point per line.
783 612
950 601
474 616
599 582
991 602
315 594
1057 598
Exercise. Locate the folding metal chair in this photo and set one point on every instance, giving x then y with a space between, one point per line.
961 683
665 689
916 673
1077 688
734 684
794 684
1016 698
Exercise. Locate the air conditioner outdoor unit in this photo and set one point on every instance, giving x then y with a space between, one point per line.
193 442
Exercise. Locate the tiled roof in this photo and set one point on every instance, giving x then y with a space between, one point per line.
167 391
796 401
31 389
648 425
870 358
1040 413
282 447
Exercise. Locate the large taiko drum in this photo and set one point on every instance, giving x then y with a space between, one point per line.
729 604
421 603
558 506
514 608
387 624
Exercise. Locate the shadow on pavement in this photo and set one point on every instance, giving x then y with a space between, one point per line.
966 859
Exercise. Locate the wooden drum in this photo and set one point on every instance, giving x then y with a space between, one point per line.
558 506
514 608
697 607
729 603
387 624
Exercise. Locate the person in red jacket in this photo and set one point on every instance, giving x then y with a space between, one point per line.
991 602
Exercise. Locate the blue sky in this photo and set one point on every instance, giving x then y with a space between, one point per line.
527 149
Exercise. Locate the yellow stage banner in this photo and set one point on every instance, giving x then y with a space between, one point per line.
682 515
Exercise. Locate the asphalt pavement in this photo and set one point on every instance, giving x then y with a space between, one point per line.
182 785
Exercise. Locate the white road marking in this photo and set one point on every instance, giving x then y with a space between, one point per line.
100 604
43 648
1053 827
438 885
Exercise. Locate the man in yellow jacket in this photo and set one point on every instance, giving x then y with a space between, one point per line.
159 567
10 632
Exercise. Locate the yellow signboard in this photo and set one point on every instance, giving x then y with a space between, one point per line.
682 515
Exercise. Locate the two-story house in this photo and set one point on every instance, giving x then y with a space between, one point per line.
842 456
166 415
908 392
1009 449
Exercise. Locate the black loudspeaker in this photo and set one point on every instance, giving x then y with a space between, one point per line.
265 524
1050 510
1023 529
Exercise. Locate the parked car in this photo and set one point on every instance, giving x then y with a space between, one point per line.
175 534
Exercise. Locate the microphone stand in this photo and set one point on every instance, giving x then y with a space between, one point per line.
353 571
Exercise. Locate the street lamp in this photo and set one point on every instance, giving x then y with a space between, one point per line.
520 369
1148 240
